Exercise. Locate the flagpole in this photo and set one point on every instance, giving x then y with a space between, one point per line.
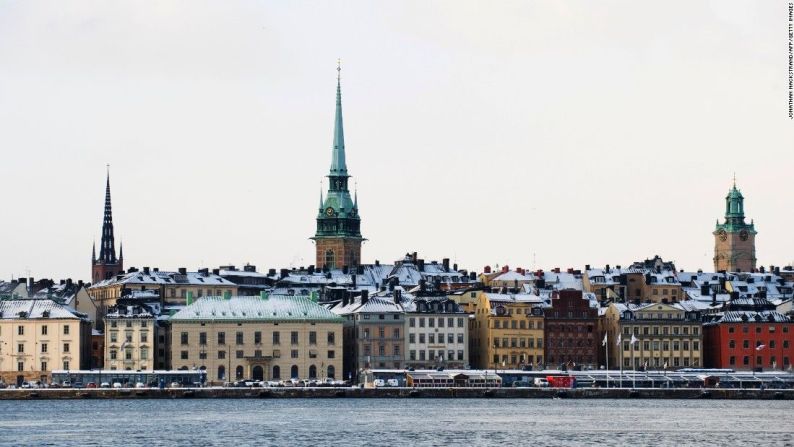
620 347
633 365
606 346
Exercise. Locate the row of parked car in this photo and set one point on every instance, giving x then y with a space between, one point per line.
309 383
68 384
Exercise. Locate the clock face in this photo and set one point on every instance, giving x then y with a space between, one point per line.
743 235
722 235
329 211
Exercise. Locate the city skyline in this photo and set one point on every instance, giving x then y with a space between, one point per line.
220 162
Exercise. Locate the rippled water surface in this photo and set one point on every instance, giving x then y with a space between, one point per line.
349 422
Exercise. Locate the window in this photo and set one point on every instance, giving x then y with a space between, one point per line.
239 354
732 344
412 355
239 338
431 322
331 338
65 364
381 350
20 366
276 339
221 355
66 347
746 344
221 338
460 338
312 338
44 347
183 355
44 330
65 330
202 338
113 354
396 349
20 330
294 337
421 338
144 354
396 332
331 354
431 338
144 337
43 366
451 338
411 338
294 353
183 338
421 322
257 337
143 324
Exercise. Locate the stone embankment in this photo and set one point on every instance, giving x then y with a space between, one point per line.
525 393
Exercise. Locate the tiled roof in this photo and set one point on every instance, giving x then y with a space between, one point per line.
10 309
248 308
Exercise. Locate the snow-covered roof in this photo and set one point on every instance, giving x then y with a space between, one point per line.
35 308
248 308
166 278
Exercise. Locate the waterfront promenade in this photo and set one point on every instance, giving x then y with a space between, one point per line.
347 392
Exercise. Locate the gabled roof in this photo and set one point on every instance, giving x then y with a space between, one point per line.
166 278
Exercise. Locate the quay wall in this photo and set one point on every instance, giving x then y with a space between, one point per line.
498 393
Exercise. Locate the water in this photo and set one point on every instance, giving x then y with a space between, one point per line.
360 422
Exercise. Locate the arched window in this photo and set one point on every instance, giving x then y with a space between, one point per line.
238 373
293 372
276 372
312 372
221 372
331 371
330 259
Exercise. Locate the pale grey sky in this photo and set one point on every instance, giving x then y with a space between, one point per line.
489 132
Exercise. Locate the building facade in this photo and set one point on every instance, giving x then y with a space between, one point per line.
38 336
437 334
666 336
748 334
507 332
572 337
734 239
338 236
107 264
269 337
131 335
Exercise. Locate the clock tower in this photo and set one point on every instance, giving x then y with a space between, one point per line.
338 237
734 240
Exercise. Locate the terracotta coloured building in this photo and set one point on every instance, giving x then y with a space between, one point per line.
572 337
748 334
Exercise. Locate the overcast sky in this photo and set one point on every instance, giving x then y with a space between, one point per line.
534 134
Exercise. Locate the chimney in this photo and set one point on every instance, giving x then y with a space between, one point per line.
420 265
607 269
570 270
182 271
311 270
69 282
445 263
353 278
587 267
505 268
556 270
156 269
377 262
344 299
63 281
422 285
455 267
473 276
486 269
284 273
249 268
146 270
271 272
397 296
216 271
345 270
227 294
413 257
705 289
364 296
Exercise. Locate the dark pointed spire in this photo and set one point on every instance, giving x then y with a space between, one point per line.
107 248
93 253
338 165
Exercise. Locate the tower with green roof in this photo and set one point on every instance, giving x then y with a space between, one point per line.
734 240
338 237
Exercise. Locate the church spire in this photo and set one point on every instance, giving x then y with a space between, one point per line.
93 253
338 165
107 248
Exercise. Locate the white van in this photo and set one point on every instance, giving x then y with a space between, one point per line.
541 382
378 383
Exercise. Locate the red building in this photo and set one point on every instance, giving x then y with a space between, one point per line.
571 330
748 334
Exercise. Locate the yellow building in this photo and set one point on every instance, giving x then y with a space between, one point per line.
131 339
37 336
507 332
272 337
664 334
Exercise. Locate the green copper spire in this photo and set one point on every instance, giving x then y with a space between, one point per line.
338 165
